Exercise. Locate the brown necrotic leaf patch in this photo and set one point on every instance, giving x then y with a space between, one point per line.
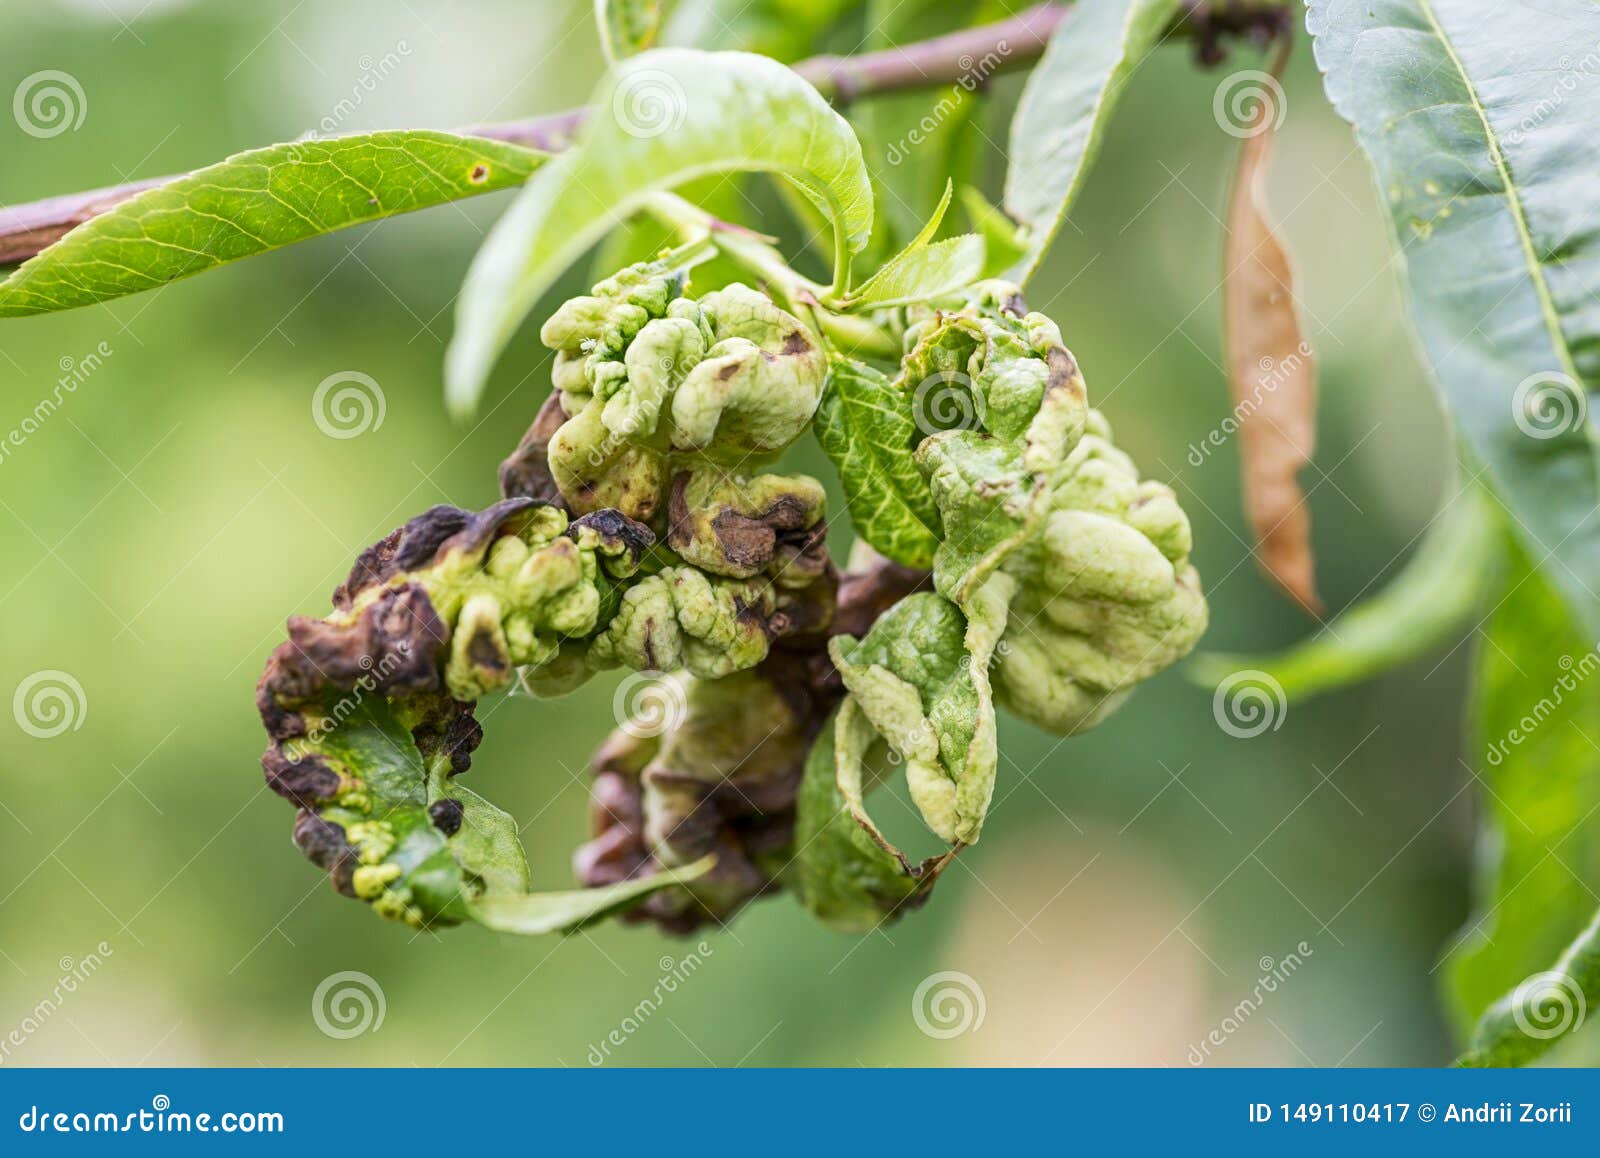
1271 375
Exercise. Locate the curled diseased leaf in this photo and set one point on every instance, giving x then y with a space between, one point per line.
845 877
652 381
1271 374
667 116
1521 1026
702 768
1029 485
370 709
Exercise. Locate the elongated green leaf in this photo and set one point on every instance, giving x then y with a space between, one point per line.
1445 581
662 118
1543 1009
1535 745
533 914
785 30
868 428
1485 163
627 26
1066 106
254 202
924 268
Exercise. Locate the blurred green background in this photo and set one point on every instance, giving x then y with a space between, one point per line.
1134 884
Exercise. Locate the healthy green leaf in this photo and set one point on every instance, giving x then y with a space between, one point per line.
1066 106
785 30
255 202
1479 153
1542 1009
663 117
627 26
924 269
867 427
1536 749
533 914
1445 581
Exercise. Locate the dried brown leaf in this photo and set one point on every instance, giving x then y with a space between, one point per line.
1271 374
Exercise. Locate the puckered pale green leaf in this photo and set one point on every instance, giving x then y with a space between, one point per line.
661 118
867 427
254 202
1536 745
925 268
1484 160
627 26
1449 577
1066 106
